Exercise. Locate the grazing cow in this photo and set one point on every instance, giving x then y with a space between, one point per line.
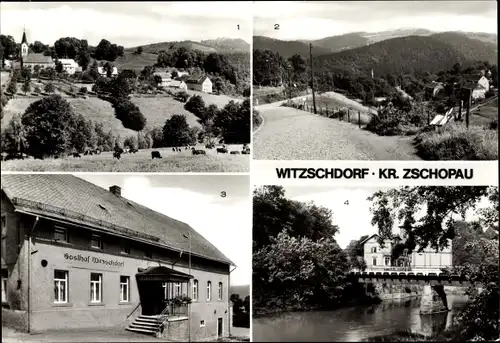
155 154
76 155
117 154
234 152
97 151
173 149
222 150
198 152
86 152
133 151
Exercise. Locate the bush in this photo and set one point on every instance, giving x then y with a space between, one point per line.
37 90
83 90
195 105
458 143
182 96
392 121
130 115
256 119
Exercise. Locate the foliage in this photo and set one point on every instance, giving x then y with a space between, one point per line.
256 118
12 87
83 136
182 96
13 136
440 205
176 132
107 51
10 49
179 300
234 122
49 124
130 115
83 90
26 86
458 143
49 88
195 105
131 142
355 254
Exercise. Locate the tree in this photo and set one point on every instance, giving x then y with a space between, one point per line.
176 131
59 67
49 88
49 124
234 122
10 49
147 72
218 84
108 68
195 105
120 88
83 59
131 142
139 50
156 135
130 115
26 73
94 70
83 90
13 136
174 74
26 86
36 70
12 88
434 228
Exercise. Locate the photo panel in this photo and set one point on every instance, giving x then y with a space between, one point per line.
170 95
374 264
125 257
375 80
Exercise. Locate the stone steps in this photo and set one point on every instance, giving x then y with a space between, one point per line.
145 325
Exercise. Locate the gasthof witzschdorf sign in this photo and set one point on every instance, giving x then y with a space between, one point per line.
87 259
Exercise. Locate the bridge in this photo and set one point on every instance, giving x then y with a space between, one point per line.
429 283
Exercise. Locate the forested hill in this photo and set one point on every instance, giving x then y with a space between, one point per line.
286 48
221 45
409 55
340 43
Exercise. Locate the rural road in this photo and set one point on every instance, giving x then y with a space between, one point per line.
290 134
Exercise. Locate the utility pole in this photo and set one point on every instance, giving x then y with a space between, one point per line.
312 77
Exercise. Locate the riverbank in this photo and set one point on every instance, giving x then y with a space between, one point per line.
400 336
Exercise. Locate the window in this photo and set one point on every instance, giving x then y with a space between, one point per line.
148 254
374 249
125 249
220 291
374 261
387 261
124 289
202 323
60 286
96 242
60 234
195 290
5 276
177 289
209 290
95 288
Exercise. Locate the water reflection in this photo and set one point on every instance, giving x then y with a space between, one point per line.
355 323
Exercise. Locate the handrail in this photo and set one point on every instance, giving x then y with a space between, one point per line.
135 309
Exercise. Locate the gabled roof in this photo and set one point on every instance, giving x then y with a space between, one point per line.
367 239
70 199
198 81
38 58
175 83
164 75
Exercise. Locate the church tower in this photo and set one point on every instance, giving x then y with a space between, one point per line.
24 48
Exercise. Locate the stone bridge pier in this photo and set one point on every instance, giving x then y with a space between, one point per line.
433 300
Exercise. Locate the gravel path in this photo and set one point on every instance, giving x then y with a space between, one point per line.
290 134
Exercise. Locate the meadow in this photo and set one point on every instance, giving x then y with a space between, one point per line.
141 161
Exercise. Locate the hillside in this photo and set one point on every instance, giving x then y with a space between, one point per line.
342 42
375 37
136 62
241 290
406 54
286 48
221 45
471 49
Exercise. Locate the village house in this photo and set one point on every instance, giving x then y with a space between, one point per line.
202 84
177 84
104 73
165 77
478 85
75 255
379 258
69 65
432 89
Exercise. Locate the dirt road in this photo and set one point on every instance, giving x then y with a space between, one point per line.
290 134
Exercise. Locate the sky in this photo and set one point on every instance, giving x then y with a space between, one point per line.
314 19
350 207
224 221
128 24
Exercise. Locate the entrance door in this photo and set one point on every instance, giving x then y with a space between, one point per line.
219 327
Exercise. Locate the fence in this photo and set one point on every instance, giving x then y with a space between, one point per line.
341 113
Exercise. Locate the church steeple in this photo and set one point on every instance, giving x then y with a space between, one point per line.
24 47
24 40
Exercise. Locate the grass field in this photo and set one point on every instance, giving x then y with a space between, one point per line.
156 110
140 162
4 77
484 115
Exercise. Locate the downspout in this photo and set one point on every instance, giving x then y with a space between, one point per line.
29 272
229 300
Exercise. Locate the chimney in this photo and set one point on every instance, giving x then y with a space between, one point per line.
115 190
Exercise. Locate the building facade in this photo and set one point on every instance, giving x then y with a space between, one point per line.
31 59
69 65
379 258
202 84
75 255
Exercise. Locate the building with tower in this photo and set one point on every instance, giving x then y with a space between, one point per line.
28 59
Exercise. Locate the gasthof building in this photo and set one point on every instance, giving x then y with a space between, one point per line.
75 255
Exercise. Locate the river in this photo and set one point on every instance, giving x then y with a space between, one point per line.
354 323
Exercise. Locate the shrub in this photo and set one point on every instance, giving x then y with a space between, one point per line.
83 90
182 96
458 143
37 90
195 105
256 119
